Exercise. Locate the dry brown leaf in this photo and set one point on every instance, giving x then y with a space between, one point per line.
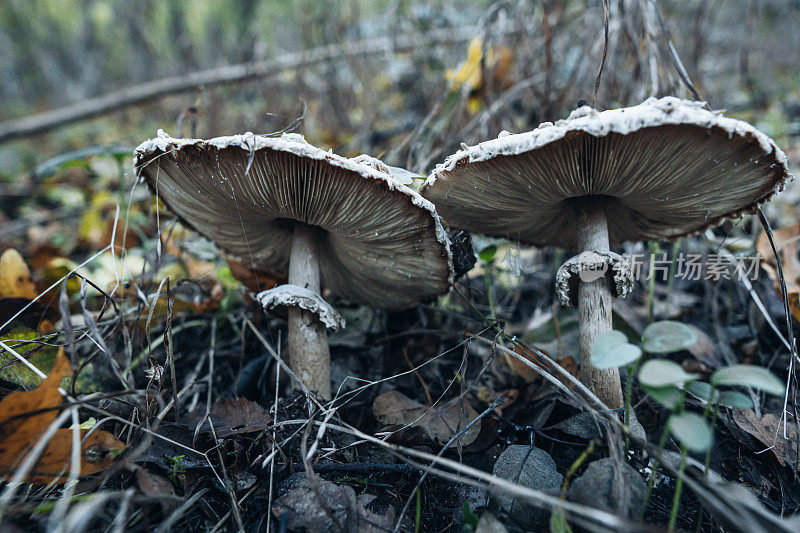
769 431
487 395
567 362
15 276
441 423
231 416
25 415
787 241
254 280
153 484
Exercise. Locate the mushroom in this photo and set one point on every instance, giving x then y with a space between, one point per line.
289 208
660 170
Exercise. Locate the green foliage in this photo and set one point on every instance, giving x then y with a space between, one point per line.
657 373
707 393
487 254
11 369
669 396
753 376
177 467
668 336
691 430
611 349
558 522
470 518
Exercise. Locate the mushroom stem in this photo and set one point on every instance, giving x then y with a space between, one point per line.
309 356
594 310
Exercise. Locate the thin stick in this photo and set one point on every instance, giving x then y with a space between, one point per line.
137 94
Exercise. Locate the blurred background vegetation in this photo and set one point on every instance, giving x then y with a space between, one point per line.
531 61
427 77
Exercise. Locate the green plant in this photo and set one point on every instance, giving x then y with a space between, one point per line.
470 518
667 383
177 467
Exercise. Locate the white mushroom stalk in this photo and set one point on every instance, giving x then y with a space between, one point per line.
309 354
594 309
322 220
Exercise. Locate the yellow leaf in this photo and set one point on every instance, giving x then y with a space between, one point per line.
15 276
469 73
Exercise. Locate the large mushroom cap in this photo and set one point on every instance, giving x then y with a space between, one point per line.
662 169
380 243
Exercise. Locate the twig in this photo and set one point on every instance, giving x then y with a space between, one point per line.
605 52
422 381
152 90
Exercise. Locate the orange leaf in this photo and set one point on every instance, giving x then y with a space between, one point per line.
25 415
254 280
787 240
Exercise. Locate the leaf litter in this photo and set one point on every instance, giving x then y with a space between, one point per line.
25 415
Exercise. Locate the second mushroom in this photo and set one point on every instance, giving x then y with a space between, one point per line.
293 210
660 170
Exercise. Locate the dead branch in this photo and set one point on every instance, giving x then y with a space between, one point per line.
137 94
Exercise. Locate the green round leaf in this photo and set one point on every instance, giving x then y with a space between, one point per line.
732 399
669 397
735 400
749 376
668 336
487 254
702 391
691 430
660 373
611 349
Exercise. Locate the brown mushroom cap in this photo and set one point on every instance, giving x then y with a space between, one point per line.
379 242
663 169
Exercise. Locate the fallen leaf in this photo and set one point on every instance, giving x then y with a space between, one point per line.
153 484
599 487
488 396
373 518
42 357
440 423
25 415
469 72
254 280
231 416
319 505
489 524
787 242
15 276
567 362
769 431
532 468
97 224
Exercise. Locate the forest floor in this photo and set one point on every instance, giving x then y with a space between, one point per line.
444 418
